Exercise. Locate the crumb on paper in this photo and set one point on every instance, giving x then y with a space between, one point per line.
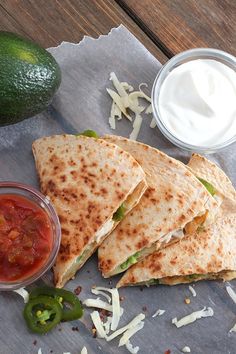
187 301
78 290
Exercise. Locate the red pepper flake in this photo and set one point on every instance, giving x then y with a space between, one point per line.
167 351
144 308
104 314
78 290
35 342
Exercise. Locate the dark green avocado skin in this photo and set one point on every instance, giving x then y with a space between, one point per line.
29 77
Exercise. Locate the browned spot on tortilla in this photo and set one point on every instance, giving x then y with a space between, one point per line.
63 178
65 231
168 196
103 191
141 244
182 217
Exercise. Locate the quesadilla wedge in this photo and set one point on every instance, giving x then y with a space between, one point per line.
92 184
219 182
207 254
174 199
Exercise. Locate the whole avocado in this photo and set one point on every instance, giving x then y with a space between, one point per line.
29 77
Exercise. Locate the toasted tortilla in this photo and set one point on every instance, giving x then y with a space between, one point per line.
207 254
173 199
213 174
87 180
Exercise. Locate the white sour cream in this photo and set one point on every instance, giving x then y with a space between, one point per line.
197 102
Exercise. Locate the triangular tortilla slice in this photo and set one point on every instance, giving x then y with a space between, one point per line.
174 199
208 254
87 181
209 171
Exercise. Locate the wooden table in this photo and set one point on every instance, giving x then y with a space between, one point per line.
165 27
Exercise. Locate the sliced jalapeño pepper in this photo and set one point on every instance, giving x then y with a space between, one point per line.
42 314
63 297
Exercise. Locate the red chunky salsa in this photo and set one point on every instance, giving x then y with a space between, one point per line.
25 237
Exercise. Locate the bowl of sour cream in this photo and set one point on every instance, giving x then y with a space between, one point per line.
194 100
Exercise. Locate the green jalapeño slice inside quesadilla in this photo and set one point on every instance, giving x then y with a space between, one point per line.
93 184
175 200
208 254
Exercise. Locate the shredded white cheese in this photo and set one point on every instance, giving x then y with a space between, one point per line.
130 348
98 291
98 324
159 312
120 89
129 333
233 329
112 122
205 312
192 290
84 351
136 125
127 86
107 325
115 309
231 293
149 109
40 351
186 350
120 103
153 123
126 99
98 304
24 293
131 324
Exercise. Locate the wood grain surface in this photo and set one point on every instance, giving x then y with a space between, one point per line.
177 25
51 21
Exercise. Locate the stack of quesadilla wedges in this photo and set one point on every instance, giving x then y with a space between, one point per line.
88 181
207 253
174 202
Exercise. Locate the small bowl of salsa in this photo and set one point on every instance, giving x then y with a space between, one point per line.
30 235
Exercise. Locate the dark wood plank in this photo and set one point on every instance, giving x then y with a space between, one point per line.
177 25
50 22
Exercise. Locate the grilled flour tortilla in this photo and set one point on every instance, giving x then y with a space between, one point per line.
207 253
87 180
174 198
207 170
